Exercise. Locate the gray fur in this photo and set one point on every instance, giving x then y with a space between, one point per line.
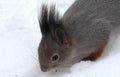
89 23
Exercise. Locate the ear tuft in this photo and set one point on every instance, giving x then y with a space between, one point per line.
54 20
44 24
49 20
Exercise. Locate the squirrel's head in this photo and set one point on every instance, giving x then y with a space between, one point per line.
55 45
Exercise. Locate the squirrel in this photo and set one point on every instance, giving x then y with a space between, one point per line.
80 34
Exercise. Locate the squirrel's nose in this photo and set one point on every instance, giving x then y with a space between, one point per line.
44 69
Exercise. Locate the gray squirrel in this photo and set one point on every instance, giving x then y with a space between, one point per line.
80 34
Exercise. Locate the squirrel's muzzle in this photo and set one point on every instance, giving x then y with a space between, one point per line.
44 69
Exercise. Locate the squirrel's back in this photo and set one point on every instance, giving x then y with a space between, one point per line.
89 22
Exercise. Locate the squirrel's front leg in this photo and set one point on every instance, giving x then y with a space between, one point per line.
95 55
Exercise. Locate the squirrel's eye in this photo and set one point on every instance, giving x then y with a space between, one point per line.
55 57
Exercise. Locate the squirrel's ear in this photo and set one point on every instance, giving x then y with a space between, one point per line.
61 36
43 21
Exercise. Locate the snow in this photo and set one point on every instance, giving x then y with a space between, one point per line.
20 36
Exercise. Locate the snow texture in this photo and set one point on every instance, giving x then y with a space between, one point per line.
20 36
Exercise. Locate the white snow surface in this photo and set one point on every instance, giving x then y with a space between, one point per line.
20 36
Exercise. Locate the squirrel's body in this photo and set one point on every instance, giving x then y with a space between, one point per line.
90 22
81 34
